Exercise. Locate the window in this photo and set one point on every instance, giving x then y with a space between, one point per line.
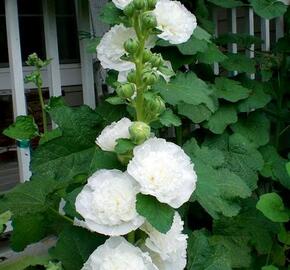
32 31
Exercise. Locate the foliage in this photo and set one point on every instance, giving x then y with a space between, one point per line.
234 129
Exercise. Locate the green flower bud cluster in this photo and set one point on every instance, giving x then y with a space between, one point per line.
139 132
126 91
154 106
150 77
34 60
148 21
139 5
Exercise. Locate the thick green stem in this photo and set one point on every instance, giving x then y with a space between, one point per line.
139 67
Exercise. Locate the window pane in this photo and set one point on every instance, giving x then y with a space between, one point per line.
3 37
67 34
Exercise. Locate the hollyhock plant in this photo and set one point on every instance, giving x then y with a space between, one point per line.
108 203
117 253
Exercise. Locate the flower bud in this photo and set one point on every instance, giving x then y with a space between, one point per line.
150 78
147 54
156 60
132 76
139 4
149 21
131 45
126 90
155 106
139 132
129 10
151 4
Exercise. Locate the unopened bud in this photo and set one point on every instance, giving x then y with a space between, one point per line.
156 60
132 76
139 4
139 132
150 78
131 45
151 4
149 21
126 90
147 56
129 10
156 105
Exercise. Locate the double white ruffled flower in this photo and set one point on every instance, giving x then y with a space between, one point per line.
168 251
108 203
175 21
163 170
107 140
117 253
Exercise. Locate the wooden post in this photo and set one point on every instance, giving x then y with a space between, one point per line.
84 24
17 82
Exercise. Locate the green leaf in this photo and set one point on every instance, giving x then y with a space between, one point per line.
275 166
236 250
230 90
239 63
284 236
198 42
124 146
255 127
4 218
270 267
203 256
241 157
70 200
211 55
227 3
92 44
257 99
23 129
168 119
50 135
224 116
115 100
288 168
110 14
188 88
217 187
74 246
158 214
110 113
250 225
272 206
269 9
196 113
28 198
27 229
75 152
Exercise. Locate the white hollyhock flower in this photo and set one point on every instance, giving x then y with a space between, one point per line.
118 254
121 4
111 48
107 140
108 203
168 251
175 21
163 170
